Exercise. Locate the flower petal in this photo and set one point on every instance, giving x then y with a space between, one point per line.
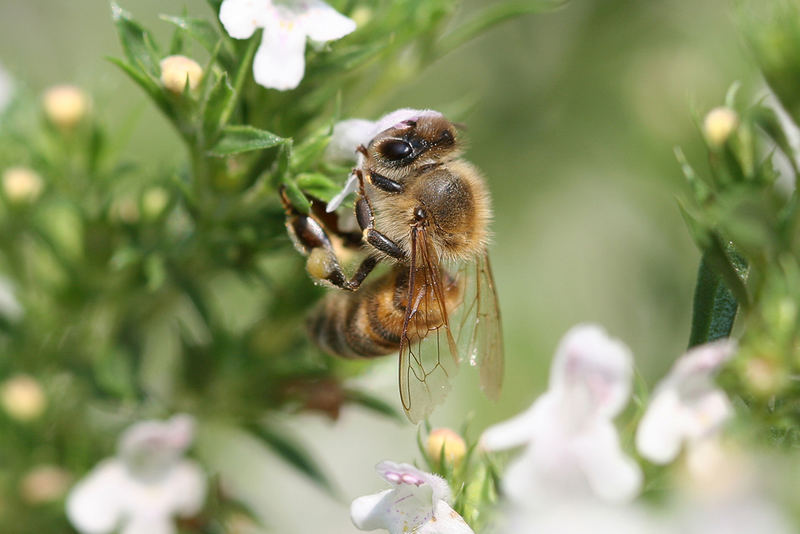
280 60
612 475
658 437
347 136
366 512
350 186
94 503
592 372
241 18
149 525
694 369
408 475
517 431
185 486
322 23
398 116
447 521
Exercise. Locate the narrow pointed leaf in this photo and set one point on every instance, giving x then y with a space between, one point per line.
138 44
318 186
294 454
199 29
296 197
714 307
237 139
374 404
150 86
219 98
491 16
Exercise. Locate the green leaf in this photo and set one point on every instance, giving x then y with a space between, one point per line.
200 29
492 16
318 186
294 454
218 100
714 307
295 196
138 44
237 139
374 404
768 121
146 82
309 150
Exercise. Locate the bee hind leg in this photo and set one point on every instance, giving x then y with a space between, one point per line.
311 239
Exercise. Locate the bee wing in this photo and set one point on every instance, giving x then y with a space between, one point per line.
425 366
477 324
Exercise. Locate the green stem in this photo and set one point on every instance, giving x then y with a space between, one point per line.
714 308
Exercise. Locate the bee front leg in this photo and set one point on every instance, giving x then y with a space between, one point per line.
311 239
366 220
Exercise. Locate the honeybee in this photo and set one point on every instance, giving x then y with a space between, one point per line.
425 211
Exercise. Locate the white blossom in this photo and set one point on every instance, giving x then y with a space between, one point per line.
6 89
418 502
141 489
571 445
349 134
279 62
686 405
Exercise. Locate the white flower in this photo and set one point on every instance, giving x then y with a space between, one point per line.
6 89
280 60
572 446
584 516
349 134
144 486
417 503
686 405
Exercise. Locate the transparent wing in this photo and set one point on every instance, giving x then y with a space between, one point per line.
477 327
428 352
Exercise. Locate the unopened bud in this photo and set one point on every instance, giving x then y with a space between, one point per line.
154 200
443 442
763 375
44 483
125 209
361 15
176 70
65 105
21 185
719 124
23 398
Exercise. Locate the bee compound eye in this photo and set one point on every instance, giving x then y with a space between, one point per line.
396 149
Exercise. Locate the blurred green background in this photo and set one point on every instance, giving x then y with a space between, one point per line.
572 116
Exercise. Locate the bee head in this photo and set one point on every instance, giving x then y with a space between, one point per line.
422 139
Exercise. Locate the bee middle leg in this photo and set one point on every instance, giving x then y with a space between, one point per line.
310 237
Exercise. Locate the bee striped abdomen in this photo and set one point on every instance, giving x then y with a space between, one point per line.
363 324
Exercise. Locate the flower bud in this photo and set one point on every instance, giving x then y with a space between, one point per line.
176 70
21 185
154 200
447 443
719 124
764 376
65 105
125 209
23 398
44 483
361 16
